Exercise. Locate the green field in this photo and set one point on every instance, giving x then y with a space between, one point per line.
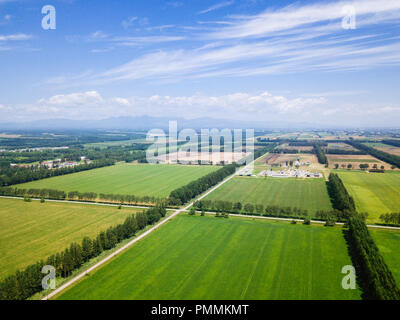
310 194
388 242
31 231
210 258
355 160
375 193
123 178
377 145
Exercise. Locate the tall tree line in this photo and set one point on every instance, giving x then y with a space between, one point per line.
320 154
14 175
184 194
377 280
374 276
76 195
340 198
26 283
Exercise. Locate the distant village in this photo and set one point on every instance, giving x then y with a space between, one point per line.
290 172
54 164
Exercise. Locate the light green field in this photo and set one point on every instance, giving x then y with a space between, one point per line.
123 178
375 193
310 194
31 231
388 242
217 258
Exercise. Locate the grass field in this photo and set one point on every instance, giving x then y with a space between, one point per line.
388 243
310 194
375 193
210 258
31 231
136 179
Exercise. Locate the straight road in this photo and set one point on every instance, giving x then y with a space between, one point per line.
132 242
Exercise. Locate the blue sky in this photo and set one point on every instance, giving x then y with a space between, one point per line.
251 60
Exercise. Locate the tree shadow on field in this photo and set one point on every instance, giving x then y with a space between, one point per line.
361 277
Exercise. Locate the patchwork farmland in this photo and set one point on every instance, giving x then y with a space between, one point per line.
136 179
375 193
32 230
306 194
233 259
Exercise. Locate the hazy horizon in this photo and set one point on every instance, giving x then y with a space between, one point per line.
256 61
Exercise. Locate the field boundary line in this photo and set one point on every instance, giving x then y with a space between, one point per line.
297 220
87 202
133 241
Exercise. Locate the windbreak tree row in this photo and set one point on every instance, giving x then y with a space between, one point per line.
381 155
184 194
53 194
320 154
374 276
15 175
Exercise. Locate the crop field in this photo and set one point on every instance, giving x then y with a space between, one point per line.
310 194
136 179
384 147
31 231
211 258
388 242
355 161
375 193
341 146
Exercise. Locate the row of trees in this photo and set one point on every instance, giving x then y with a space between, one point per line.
289 151
394 143
340 198
343 151
14 175
308 143
376 278
196 187
76 195
270 210
391 218
24 284
320 154
249 208
384 156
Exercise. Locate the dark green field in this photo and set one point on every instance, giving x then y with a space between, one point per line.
217 258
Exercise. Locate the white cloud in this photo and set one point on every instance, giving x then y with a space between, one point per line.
263 106
15 37
91 105
73 99
128 22
217 6
297 38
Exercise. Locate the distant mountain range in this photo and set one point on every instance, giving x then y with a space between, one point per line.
146 123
